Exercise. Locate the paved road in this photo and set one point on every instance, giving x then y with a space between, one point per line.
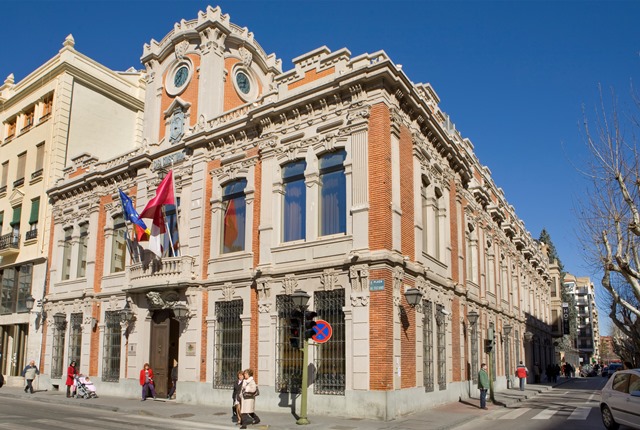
571 406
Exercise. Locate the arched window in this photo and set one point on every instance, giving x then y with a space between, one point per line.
333 194
295 194
233 222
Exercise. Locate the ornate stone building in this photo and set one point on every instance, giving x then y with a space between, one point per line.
339 177
69 105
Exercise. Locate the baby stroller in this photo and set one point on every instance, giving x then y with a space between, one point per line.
85 388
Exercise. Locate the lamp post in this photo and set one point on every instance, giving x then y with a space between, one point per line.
300 300
413 296
473 320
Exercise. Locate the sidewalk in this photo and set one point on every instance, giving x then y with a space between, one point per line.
189 416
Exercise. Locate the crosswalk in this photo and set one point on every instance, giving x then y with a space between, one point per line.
554 405
19 422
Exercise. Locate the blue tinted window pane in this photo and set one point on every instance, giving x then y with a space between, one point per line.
294 216
293 169
333 159
333 202
234 187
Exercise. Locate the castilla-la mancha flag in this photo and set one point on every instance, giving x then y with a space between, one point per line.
153 210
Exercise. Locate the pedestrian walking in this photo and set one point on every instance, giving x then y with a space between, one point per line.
483 385
522 372
29 373
236 398
174 379
536 373
248 405
146 380
72 371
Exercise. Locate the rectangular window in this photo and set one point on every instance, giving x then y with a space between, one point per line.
111 349
83 242
11 129
331 356
170 241
15 226
66 254
5 175
8 290
288 358
1 221
295 199
119 245
333 194
47 106
33 216
227 360
57 351
427 345
24 287
233 228
441 326
75 338
39 161
28 119
22 160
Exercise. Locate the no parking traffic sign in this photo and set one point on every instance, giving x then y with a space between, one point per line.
323 331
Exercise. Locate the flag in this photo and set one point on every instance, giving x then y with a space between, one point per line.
164 196
153 210
132 215
230 224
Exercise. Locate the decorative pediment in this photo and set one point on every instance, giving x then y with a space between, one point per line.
176 104
15 199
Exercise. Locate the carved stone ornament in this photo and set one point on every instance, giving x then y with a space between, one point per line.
329 280
227 291
264 294
181 48
246 56
164 300
289 283
359 276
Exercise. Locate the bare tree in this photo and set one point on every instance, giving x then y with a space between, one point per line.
610 215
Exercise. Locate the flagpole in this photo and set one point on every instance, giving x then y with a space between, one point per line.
124 215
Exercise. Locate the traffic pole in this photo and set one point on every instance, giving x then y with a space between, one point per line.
305 378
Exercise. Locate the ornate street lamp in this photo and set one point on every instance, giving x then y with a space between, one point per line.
181 312
300 299
126 314
528 336
413 296
473 318
507 352
473 321
29 301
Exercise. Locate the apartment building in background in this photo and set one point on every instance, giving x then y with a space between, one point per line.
67 106
340 178
588 335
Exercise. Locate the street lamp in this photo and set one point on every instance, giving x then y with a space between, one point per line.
29 301
300 299
126 314
413 296
181 312
528 336
473 320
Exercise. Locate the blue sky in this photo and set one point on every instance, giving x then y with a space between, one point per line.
514 76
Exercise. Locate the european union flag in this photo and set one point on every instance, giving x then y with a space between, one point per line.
131 215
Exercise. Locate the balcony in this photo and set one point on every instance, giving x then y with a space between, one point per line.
18 183
37 174
169 270
31 234
9 244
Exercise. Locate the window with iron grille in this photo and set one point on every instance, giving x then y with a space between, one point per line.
288 359
227 350
441 326
427 345
57 351
75 338
330 356
111 350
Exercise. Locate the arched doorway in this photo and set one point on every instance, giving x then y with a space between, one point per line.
165 335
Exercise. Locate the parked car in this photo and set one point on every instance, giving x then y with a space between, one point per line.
611 369
620 401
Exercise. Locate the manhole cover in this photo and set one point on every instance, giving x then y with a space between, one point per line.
182 416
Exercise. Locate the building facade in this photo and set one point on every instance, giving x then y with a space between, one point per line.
588 336
339 177
69 105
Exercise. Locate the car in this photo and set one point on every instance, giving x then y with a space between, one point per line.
620 400
611 369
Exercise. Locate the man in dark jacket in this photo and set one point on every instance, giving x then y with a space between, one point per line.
483 385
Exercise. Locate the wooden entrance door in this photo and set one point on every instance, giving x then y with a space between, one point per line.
165 332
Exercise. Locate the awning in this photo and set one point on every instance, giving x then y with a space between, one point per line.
35 208
17 213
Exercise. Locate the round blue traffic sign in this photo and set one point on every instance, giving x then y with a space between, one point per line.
323 331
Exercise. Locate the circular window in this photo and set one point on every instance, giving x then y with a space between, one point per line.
244 84
178 78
